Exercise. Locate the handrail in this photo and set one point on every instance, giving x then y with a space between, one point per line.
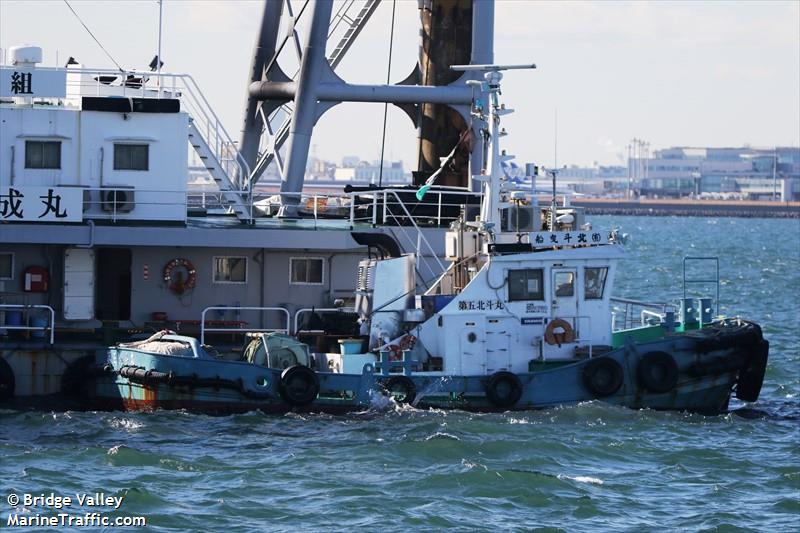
51 325
166 85
656 309
203 327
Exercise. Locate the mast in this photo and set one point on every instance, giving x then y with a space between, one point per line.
491 202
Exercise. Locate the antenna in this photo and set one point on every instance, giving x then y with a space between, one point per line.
158 59
491 68
555 138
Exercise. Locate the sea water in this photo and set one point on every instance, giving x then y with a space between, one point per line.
587 467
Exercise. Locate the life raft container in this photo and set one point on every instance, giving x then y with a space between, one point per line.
603 376
657 372
400 388
504 389
299 385
559 331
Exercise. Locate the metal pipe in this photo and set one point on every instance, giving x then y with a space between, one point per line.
90 223
347 92
263 51
305 112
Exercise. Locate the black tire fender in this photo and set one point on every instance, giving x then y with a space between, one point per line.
657 372
603 376
7 381
504 389
299 385
76 374
748 387
401 388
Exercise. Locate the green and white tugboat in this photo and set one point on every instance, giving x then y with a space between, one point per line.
522 318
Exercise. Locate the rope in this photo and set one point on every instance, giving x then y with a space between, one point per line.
95 38
386 104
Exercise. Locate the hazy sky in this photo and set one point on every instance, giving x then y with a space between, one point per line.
672 73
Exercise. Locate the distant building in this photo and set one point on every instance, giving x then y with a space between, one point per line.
744 172
596 180
364 172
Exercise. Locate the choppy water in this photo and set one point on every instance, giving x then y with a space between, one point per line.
588 467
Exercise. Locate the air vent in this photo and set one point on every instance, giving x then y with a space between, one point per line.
518 219
117 200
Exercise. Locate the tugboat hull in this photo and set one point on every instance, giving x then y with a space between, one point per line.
694 371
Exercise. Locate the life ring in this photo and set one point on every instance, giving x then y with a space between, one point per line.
559 331
603 376
504 389
7 381
658 372
180 285
299 385
400 388
748 387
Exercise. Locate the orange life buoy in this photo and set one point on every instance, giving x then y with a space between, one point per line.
178 285
559 331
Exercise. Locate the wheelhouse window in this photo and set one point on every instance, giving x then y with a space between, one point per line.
594 282
6 265
42 154
131 156
306 270
526 284
565 284
230 269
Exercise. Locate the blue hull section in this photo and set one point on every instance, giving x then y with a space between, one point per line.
686 372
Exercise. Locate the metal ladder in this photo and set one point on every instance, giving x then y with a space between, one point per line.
216 168
355 25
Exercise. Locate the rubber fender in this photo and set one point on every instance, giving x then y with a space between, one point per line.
717 365
76 374
7 381
603 376
299 385
726 335
748 387
504 389
401 388
658 372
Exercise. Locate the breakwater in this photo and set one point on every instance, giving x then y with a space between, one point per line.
694 208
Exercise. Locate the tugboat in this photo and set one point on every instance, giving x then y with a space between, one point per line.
521 319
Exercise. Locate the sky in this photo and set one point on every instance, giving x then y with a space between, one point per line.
671 73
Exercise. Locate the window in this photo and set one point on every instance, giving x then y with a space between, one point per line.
6 265
230 270
594 282
131 157
306 270
525 284
42 154
565 284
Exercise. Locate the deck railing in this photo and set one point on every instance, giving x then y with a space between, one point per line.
50 326
133 83
627 313
241 327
